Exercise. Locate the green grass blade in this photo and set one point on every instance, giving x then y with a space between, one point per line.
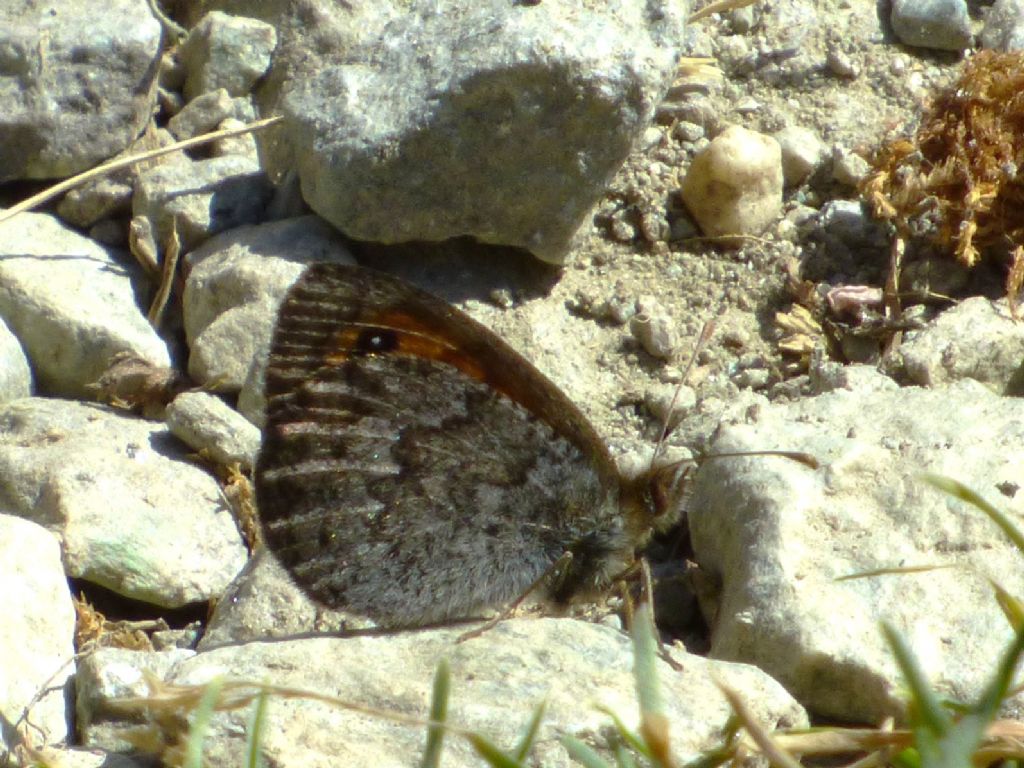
529 737
438 715
201 723
988 705
630 737
929 712
654 724
583 754
1013 609
491 754
962 492
254 736
623 757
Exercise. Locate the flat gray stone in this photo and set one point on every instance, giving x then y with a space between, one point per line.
36 633
941 24
205 197
497 679
236 282
203 114
71 303
77 81
773 536
132 513
15 374
501 121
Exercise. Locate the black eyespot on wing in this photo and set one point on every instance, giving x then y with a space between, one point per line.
376 341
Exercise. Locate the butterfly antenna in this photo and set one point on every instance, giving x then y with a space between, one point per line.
706 332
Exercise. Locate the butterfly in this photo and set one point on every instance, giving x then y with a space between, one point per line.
416 469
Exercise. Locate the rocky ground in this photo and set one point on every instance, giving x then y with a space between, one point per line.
116 500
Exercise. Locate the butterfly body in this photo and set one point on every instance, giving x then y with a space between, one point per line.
416 469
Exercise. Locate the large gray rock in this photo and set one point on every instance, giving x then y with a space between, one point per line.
772 536
36 633
503 121
132 513
71 303
77 81
497 679
236 282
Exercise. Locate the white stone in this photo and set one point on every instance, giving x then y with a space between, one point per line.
772 536
36 632
133 514
802 153
975 339
235 284
734 186
71 303
210 426
497 680
15 374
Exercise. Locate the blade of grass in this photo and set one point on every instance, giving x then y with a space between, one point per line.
635 742
929 711
1013 609
201 723
654 723
776 755
438 715
257 726
583 754
962 492
491 754
529 737
125 162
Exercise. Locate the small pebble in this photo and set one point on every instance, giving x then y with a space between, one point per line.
841 65
802 153
670 403
653 328
621 229
734 187
940 24
742 19
848 167
207 424
687 131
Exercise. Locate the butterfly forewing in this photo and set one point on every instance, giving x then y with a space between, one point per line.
410 469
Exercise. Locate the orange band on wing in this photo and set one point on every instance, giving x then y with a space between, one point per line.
413 338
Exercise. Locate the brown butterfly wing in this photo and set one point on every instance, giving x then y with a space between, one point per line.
414 467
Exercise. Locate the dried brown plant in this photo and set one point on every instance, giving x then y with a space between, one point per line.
960 179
